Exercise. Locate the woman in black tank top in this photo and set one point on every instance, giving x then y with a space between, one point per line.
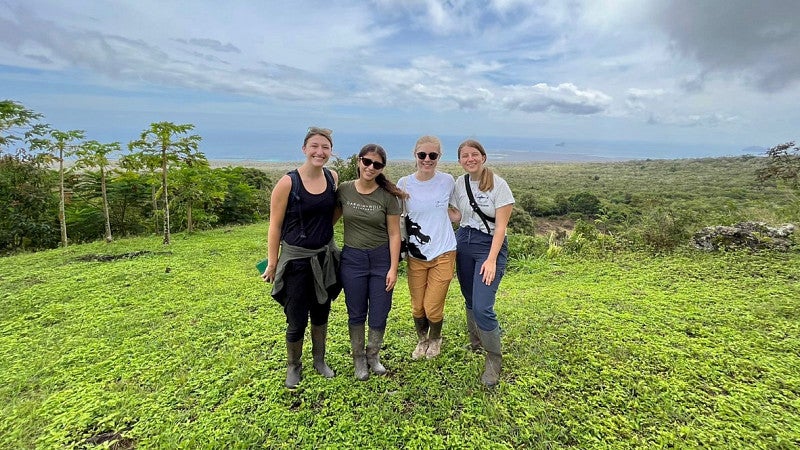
301 251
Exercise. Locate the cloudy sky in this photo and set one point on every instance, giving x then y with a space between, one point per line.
716 73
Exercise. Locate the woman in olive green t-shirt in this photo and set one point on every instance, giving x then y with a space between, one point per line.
370 256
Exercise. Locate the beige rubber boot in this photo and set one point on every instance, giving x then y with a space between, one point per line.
319 333
374 344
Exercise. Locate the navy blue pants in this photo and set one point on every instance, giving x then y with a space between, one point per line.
301 300
473 249
364 284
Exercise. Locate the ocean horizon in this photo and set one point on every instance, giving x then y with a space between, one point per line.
283 147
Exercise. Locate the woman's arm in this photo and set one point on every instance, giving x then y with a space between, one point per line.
277 212
454 214
337 214
501 218
393 227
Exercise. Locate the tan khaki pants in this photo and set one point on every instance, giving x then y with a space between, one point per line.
428 282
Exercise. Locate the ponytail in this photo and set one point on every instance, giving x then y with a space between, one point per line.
390 187
487 180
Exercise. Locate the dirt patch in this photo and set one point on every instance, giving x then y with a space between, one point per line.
559 225
129 255
118 441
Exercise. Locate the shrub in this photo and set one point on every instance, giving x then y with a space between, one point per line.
660 230
28 205
584 203
521 222
522 246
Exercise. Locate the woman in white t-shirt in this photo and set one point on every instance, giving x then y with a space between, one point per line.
482 250
431 244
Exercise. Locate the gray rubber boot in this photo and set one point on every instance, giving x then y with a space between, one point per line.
494 356
434 340
319 333
474 336
421 325
374 344
359 355
294 350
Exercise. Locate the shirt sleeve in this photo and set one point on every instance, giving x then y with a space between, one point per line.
503 193
393 207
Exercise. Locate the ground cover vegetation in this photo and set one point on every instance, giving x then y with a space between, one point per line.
617 332
133 344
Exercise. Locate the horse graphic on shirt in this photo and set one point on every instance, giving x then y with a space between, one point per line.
415 230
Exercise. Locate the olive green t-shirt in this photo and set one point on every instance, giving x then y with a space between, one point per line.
365 215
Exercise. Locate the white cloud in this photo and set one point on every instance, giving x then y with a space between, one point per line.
665 63
566 98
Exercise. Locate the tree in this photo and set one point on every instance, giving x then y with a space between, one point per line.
130 202
346 168
170 142
196 184
60 145
94 154
26 200
135 162
27 204
783 164
19 124
246 197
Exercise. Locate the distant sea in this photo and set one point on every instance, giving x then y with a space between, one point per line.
281 147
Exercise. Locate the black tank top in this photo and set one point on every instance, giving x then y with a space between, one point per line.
309 220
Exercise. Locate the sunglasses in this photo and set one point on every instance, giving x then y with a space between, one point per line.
368 162
318 130
432 155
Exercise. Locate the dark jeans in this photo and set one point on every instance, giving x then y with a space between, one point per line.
473 249
301 300
364 283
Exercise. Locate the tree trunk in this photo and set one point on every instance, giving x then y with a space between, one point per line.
155 206
166 196
62 215
105 203
189 222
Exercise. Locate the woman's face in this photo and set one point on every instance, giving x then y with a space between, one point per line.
318 150
426 164
366 166
471 160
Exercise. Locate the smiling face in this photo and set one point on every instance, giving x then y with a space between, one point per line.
471 160
369 172
318 150
427 166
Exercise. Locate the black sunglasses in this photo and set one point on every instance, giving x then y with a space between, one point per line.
432 155
368 162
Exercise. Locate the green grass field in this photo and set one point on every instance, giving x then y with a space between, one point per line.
181 347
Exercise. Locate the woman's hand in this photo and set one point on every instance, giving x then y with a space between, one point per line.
391 279
269 274
489 270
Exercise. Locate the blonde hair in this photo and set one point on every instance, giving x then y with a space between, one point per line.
487 176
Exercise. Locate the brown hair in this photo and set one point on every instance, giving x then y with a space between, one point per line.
487 176
381 178
316 131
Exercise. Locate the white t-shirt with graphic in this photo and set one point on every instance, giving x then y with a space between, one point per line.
488 202
431 233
